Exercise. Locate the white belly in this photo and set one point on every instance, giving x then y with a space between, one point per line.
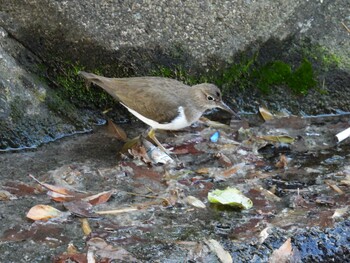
179 122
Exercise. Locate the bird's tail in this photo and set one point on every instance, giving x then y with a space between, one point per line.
92 78
101 81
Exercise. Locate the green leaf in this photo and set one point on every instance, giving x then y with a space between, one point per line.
230 196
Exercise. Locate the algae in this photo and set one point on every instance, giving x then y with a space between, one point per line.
248 73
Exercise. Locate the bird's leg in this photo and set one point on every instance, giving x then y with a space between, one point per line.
130 143
152 135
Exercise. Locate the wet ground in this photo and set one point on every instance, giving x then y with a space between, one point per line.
291 168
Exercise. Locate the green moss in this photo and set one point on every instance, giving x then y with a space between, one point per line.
274 73
75 89
302 79
321 55
280 73
247 73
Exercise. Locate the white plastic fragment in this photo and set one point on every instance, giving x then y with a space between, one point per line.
341 136
155 154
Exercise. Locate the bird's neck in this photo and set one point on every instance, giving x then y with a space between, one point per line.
195 109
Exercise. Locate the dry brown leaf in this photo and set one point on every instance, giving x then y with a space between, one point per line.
266 114
6 196
71 249
85 226
53 188
60 197
76 258
283 254
222 254
104 250
99 198
224 160
43 212
139 151
283 162
80 208
231 171
334 187
204 170
116 131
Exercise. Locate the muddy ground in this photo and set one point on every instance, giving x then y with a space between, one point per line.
292 169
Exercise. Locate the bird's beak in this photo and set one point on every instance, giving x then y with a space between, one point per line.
223 105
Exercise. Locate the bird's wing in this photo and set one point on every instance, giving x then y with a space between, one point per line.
154 98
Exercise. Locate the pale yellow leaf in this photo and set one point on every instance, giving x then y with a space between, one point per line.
266 114
43 212
222 254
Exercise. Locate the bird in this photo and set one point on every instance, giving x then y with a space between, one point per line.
161 103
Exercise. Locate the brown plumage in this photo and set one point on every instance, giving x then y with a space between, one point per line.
160 99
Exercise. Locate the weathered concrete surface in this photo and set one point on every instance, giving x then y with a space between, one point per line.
30 112
201 29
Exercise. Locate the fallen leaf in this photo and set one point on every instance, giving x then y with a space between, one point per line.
76 258
99 198
6 196
266 114
222 254
339 212
60 197
215 124
85 226
204 170
43 232
334 187
57 189
224 160
283 162
189 148
264 234
116 131
21 189
43 212
194 201
230 196
345 182
104 250
277 138
71 249
80 208
139 151
283 254
231 171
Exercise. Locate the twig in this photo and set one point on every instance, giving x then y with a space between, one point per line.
348 29
117 211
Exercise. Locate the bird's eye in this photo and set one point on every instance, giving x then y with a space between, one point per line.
210 98
218 94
